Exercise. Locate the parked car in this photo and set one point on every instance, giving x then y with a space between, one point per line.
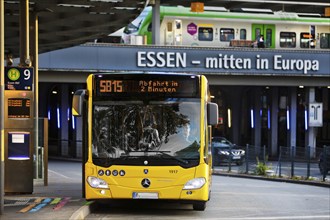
324 161
224 151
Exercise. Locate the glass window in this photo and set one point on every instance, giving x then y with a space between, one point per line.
325 40
304 40
205 34
288 39
164 132
257 33
242 34
227 34
269 39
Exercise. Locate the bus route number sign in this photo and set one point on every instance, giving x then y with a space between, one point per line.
111 86
138 86
18 78
149 85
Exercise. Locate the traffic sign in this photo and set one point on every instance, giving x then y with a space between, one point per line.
315 115
18 78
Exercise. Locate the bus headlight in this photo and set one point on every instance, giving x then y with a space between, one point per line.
195 183
97 182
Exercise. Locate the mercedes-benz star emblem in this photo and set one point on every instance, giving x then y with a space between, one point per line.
145 183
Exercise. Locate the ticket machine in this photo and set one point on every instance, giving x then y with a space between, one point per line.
19 130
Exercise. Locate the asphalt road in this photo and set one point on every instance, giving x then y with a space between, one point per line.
232 198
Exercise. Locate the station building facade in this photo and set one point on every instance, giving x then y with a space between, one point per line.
265 97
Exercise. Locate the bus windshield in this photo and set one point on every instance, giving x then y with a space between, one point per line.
155 133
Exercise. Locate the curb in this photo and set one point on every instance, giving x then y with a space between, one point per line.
81 213
305 182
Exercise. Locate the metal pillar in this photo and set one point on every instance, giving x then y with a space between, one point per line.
274 122
35 63
293 117
257 117
236 104
156 22
24 33
311 132
2 108
64 130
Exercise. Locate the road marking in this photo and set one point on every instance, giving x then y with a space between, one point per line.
55 201
62 203
27 208
39 206
58 174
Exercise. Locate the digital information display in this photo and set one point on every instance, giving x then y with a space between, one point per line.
160 85
19 107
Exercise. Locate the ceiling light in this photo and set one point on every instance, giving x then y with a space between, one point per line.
125 8
75 6
107 1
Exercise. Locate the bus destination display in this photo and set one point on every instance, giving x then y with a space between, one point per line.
172 87
19 108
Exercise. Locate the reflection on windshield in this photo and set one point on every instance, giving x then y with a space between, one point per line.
160 131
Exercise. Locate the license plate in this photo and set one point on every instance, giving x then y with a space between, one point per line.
236 157
145 195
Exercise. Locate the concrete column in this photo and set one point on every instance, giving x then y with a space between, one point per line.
64 130
274 122
293 117
156 22
311 132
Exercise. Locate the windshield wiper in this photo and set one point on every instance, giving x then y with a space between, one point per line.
165 154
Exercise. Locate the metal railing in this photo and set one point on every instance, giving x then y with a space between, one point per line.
293 162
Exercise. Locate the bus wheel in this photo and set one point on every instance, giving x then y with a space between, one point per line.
199 206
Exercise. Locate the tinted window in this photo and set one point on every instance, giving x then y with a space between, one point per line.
242 34
288 39
227 34
304 40
325 40
205 34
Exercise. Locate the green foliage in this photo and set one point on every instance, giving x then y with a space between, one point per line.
261 168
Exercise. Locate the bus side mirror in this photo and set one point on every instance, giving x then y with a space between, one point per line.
212 113
79 98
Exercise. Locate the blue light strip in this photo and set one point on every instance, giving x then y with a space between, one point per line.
306 120
268 119
252 119
68 114
58 118
73 122
287 119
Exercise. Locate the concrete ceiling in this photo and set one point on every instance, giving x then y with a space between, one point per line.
66 23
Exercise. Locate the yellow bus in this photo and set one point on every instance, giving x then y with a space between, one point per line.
147 136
